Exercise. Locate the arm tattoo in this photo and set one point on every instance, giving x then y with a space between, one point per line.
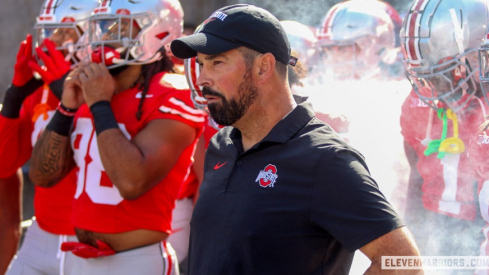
52 159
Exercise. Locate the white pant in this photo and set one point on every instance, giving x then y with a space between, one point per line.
40 254
179 239
158 258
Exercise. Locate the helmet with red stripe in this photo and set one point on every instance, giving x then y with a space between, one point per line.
357 37
126 32
64 22
439 41
192 73
302 40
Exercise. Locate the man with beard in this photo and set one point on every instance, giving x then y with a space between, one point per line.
282 193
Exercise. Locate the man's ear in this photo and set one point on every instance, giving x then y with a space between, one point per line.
266 66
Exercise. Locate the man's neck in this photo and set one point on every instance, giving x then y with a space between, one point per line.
260 120
127 78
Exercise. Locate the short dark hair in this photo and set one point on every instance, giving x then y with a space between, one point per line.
249 56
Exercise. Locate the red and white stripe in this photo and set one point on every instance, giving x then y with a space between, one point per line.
183 110
326 32
412 28
103 7
192 74
48 12
169 258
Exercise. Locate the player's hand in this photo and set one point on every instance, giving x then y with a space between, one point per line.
87 251
22 72
55 66
98 84
72 97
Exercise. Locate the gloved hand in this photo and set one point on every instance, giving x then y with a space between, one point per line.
23 83
55 66
87 251
22 71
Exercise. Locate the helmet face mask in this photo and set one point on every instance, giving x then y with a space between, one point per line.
127 33
363 29
64 37
64 22
447 82
111 40
439 42
484 62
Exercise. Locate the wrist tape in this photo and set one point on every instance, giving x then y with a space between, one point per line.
103 117
60 123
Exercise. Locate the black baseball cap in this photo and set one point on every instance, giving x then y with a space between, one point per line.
233 26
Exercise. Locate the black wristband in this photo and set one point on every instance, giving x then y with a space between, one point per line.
103 117
15 96
60 124
56 86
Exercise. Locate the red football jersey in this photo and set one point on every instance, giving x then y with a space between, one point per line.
190 186
449 183
52 206
481 150
98 205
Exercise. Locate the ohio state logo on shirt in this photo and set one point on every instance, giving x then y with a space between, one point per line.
267 176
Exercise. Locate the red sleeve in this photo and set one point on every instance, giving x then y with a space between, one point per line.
174 102
19 135
15 145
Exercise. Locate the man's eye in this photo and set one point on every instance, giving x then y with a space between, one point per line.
216 62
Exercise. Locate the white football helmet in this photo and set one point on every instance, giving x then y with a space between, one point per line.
192 74
126 32
440 42
67 20
357 36
302 40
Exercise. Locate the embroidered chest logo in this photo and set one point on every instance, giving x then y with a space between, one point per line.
219 165
267 176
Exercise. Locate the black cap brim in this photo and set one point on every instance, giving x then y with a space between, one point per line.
189 46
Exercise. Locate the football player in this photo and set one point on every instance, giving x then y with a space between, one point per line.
482 149
440 120
358 39
130 131
28 106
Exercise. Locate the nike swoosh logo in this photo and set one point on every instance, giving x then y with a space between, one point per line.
219 165
140 95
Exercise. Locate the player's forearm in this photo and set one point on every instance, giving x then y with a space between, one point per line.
51 160
124 164
10 217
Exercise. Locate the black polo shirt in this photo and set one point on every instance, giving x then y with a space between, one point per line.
299 202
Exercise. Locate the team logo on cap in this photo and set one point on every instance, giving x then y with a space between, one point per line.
267 176
219 15
216 15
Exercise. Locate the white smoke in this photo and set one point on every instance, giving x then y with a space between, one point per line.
373 108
